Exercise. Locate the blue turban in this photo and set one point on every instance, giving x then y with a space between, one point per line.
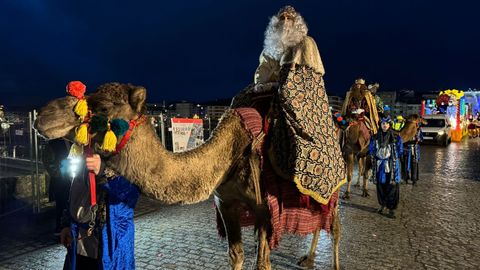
385 119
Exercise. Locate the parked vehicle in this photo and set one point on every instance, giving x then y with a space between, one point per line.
437 130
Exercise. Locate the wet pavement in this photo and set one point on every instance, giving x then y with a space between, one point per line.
437 227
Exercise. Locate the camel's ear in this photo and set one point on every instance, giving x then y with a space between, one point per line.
137 99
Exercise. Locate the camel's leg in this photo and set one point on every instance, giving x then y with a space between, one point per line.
361 168
350 160
336 231
231 221
364 174
263 252
308 260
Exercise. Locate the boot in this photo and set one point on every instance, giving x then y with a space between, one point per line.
391 214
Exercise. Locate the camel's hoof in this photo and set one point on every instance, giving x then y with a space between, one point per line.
365 194
357 185
264 267
346 195
306 262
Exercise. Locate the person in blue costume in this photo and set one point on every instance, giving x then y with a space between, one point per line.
110 242
385 149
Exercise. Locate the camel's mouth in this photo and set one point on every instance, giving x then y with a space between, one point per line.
53 129
57 119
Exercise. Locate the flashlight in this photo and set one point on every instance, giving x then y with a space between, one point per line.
73 166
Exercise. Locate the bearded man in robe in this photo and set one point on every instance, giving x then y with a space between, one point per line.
303 146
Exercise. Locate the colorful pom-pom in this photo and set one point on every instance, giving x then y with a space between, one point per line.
344 122
339 118
119 126
98 123
76 89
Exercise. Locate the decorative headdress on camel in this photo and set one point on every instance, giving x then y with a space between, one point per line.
341 121
94 123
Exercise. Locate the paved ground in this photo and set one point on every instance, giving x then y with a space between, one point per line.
437 227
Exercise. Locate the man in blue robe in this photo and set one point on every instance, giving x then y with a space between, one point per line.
101 238
386 148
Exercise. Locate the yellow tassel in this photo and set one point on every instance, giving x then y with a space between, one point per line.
81 108
75 151
81 136
109 141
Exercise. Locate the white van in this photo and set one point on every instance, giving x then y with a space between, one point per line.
437 129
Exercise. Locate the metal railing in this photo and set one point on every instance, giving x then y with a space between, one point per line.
23 180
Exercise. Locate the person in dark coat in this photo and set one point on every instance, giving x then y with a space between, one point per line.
385 149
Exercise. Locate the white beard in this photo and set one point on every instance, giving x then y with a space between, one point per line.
279 37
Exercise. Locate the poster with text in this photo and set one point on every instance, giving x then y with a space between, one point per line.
186 134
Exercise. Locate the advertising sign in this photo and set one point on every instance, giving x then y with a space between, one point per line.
186 133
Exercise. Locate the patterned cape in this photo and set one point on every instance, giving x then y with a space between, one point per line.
303 145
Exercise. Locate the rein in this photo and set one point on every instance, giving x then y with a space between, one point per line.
132 124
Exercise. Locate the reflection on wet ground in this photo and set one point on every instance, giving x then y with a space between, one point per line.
437 227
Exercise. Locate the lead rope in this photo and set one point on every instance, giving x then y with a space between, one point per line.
93 196
254 166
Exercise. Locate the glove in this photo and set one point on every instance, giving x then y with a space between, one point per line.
264 87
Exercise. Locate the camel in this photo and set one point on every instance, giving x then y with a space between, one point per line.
410 129
356 147
408 133
353 143
224 165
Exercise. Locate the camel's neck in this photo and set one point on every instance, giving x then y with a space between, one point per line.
187 177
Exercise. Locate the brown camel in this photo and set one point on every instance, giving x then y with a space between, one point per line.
410 129
223 165
356 147
354 142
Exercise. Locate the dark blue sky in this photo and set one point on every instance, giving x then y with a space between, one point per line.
201 50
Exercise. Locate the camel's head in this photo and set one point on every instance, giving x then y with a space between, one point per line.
417 119
116 100
112 100
57 119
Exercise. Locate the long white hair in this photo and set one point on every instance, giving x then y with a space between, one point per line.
281 35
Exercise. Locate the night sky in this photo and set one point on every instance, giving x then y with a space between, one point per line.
201 50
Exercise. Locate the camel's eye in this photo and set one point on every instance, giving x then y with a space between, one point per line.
102 110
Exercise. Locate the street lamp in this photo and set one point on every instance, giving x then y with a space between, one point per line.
207 117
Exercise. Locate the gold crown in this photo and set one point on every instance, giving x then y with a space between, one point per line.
287 11
360 81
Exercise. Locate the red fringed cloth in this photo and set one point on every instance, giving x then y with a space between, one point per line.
363 129
290 211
